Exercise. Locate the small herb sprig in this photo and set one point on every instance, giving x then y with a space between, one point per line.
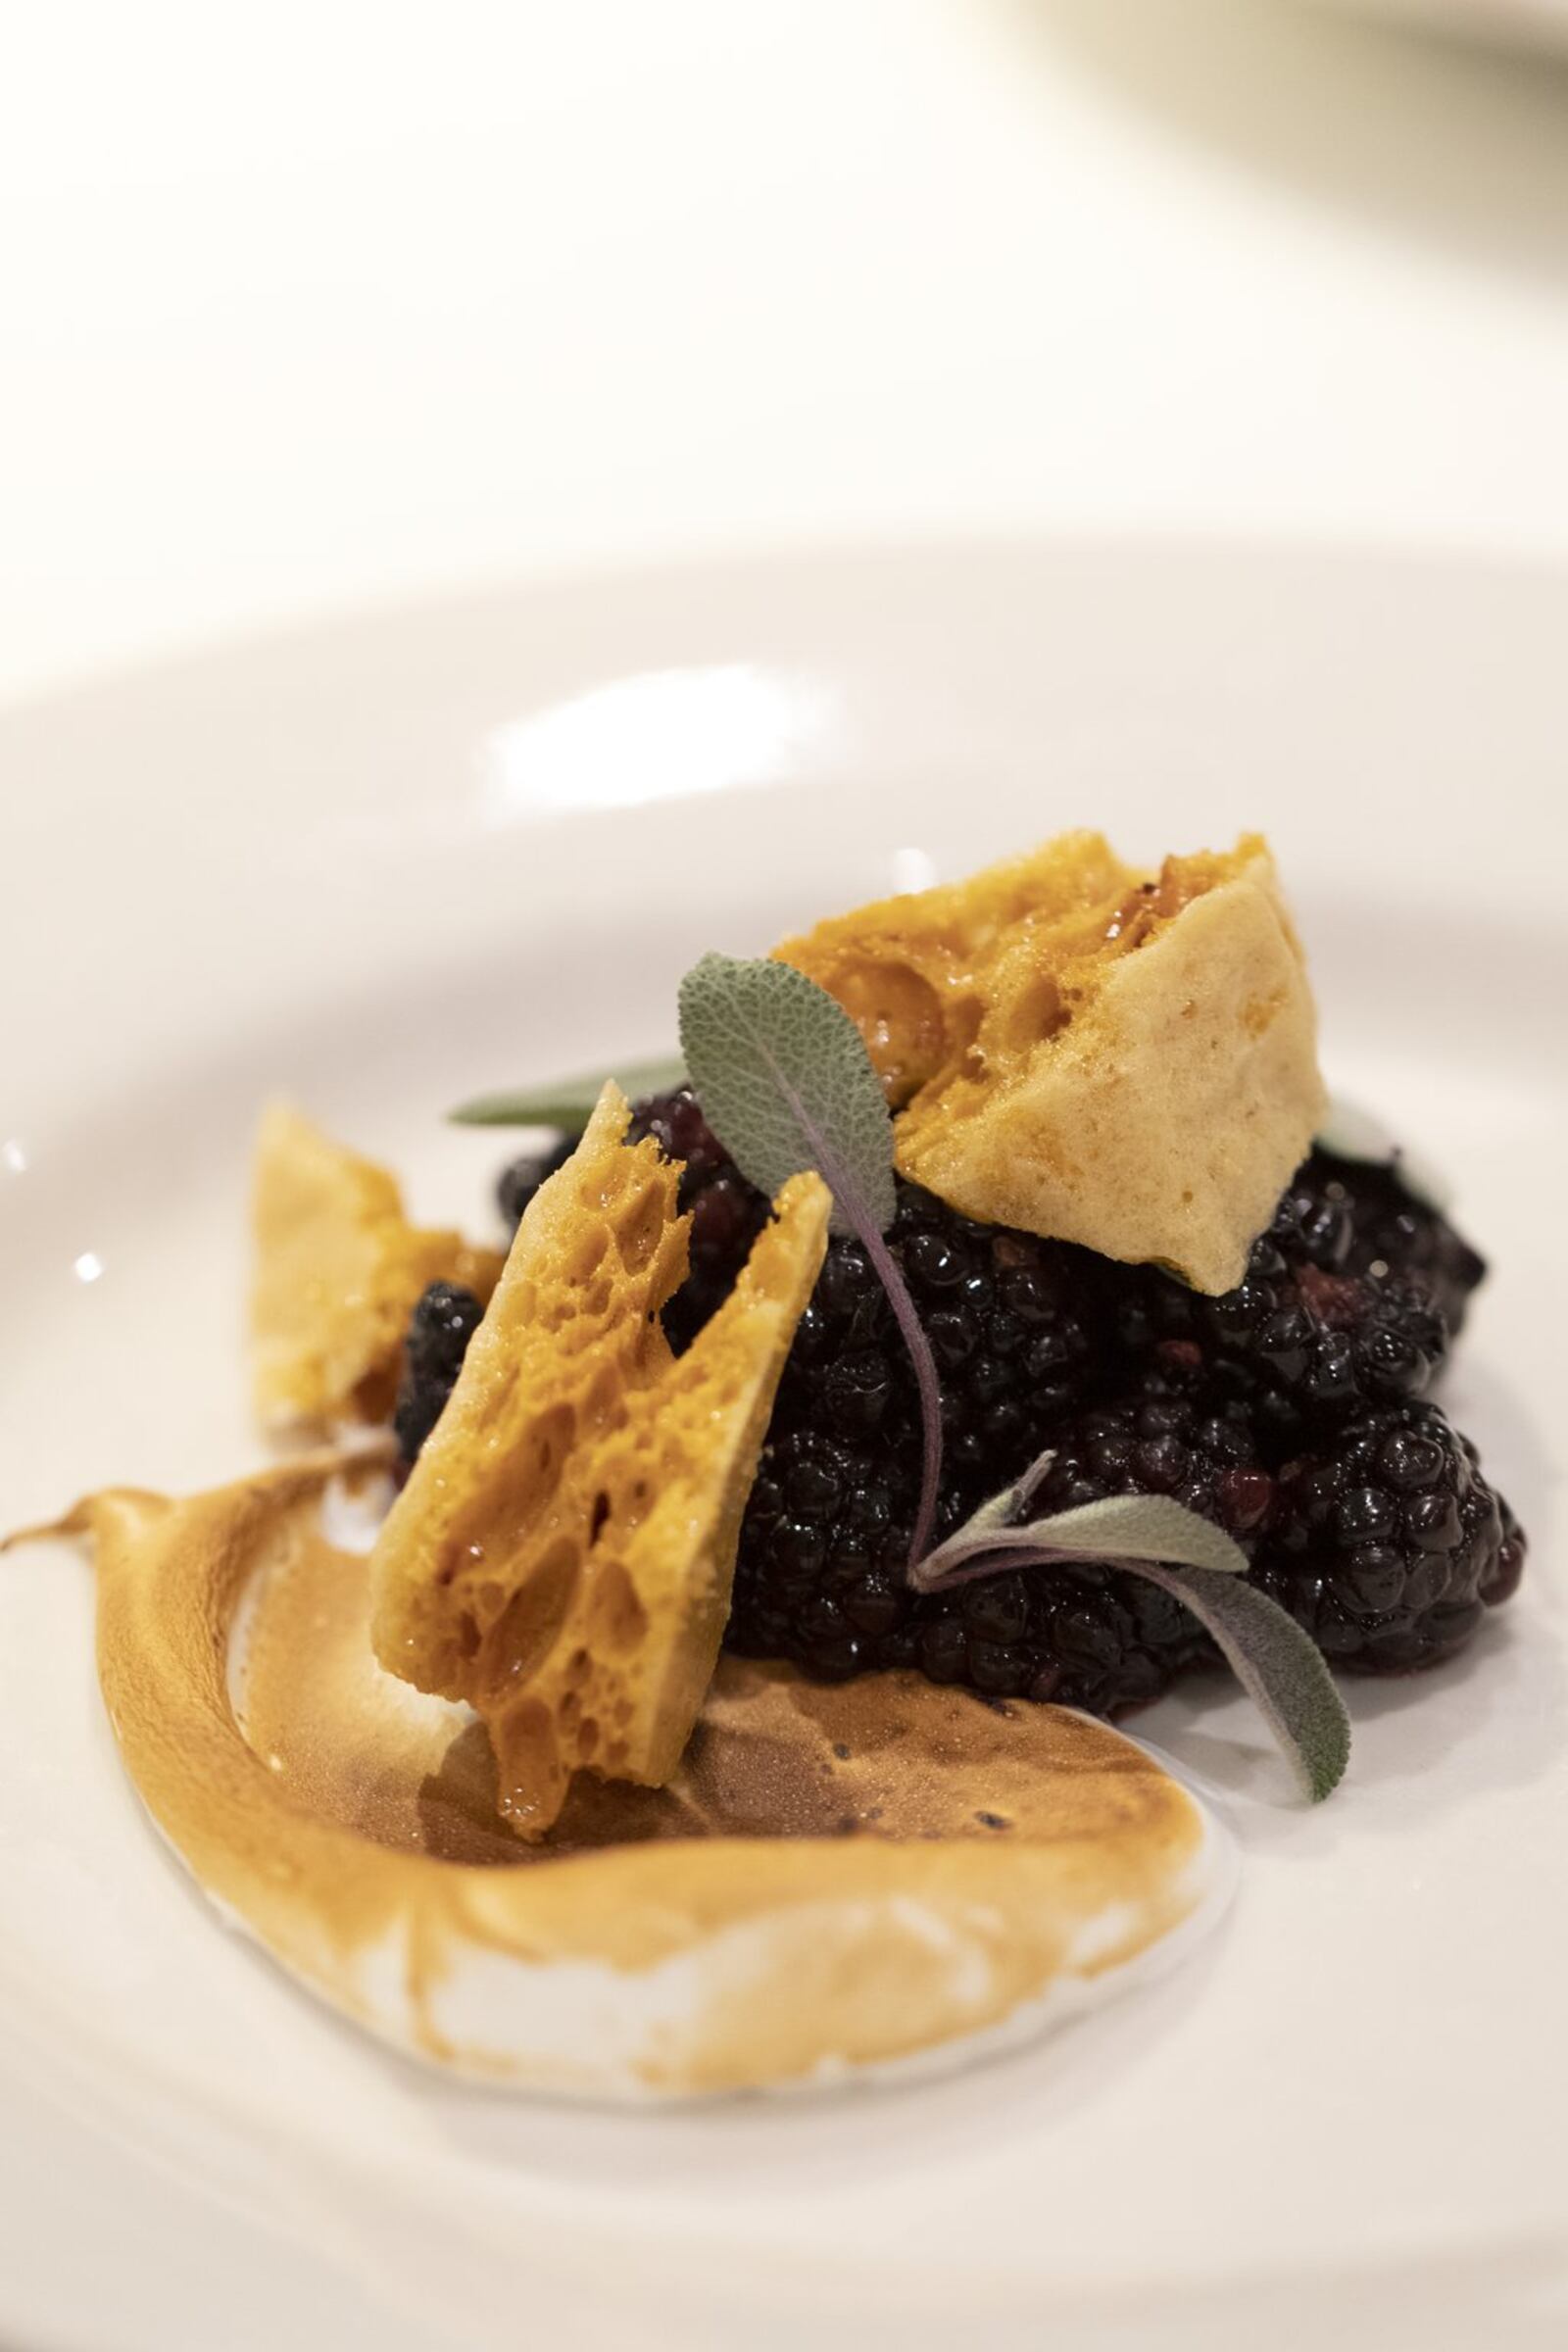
1280 1668
568 1102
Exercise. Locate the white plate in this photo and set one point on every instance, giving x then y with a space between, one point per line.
1534 23
359 864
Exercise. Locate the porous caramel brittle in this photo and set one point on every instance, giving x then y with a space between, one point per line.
562 1553
1079 1049
338 1267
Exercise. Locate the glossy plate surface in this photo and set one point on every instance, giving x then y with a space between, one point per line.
1494 23
385 866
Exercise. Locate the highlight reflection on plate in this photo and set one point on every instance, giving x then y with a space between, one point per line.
668 734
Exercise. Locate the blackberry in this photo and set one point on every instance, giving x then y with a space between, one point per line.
520 1178
1012 1320
1391 1232
444 1320
1503 1581
727 1213
1387 1545
1349 1303
820 1577
1163 1444
1303 1342
1286 1411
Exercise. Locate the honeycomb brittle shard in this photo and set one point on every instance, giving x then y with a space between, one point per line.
338 1267
562 1553
1126 1060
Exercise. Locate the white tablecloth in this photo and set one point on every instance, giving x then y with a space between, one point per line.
326 300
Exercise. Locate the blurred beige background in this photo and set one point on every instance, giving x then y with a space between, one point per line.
346 299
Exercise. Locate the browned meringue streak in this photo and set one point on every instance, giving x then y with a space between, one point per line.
853 1873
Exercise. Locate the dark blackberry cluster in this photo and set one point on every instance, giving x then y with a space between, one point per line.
727 1213
1387 1545
1225 1403
1301 1340
444 1321
1391 1232
821 1571
1012 1322
520 1178
1288 1410
820 1577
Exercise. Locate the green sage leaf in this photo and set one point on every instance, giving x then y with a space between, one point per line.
1280 1668
1122 1528
1197 1563
568 1102
786 1083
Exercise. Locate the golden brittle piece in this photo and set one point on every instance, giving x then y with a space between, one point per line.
562 1553
1123 1059
339 1269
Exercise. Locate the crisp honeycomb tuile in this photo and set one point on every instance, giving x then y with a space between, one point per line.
1123 1059
562 1553
337 1271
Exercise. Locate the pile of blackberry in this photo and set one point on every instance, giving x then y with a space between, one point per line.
444 1321
1392 1232
820 1577
727 1213
1305 1340
1292 1411
1388 1543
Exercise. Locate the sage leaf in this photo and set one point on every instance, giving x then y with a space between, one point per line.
1120 1528
1152 1535
568 1102
1279 1667
786 1084
1001 1511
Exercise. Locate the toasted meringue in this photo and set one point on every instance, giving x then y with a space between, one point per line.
835 1881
